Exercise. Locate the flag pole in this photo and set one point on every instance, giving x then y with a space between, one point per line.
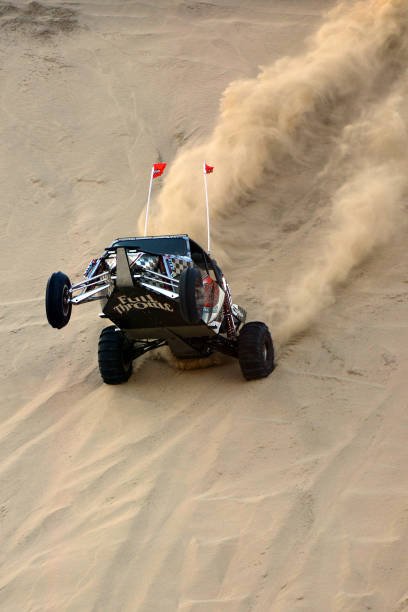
207 206
148 200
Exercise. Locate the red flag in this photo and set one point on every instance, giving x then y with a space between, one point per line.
158 169
208 169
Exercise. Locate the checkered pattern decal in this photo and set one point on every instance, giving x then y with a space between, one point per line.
173 267
176 264
149 262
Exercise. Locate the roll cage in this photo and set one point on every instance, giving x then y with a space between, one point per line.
156 262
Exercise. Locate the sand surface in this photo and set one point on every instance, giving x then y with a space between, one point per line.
194 490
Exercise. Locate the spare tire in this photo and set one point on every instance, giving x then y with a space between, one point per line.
58 304
191 295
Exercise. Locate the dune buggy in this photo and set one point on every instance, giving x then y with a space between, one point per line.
161 290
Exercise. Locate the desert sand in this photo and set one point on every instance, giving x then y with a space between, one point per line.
195 490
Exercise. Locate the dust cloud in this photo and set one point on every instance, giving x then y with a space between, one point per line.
365 211
348 90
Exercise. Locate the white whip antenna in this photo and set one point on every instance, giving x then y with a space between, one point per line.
207 170
148 200
157 170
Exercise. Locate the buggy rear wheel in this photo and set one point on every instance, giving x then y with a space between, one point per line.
58 304
255 351
115 356
191 295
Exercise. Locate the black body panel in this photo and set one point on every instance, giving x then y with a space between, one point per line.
162 245
147 314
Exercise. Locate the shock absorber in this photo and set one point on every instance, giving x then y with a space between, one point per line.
90 267
227 308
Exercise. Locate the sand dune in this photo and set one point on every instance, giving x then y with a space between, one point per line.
193 490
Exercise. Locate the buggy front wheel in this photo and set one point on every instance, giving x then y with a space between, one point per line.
58 304
255 351
115 356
